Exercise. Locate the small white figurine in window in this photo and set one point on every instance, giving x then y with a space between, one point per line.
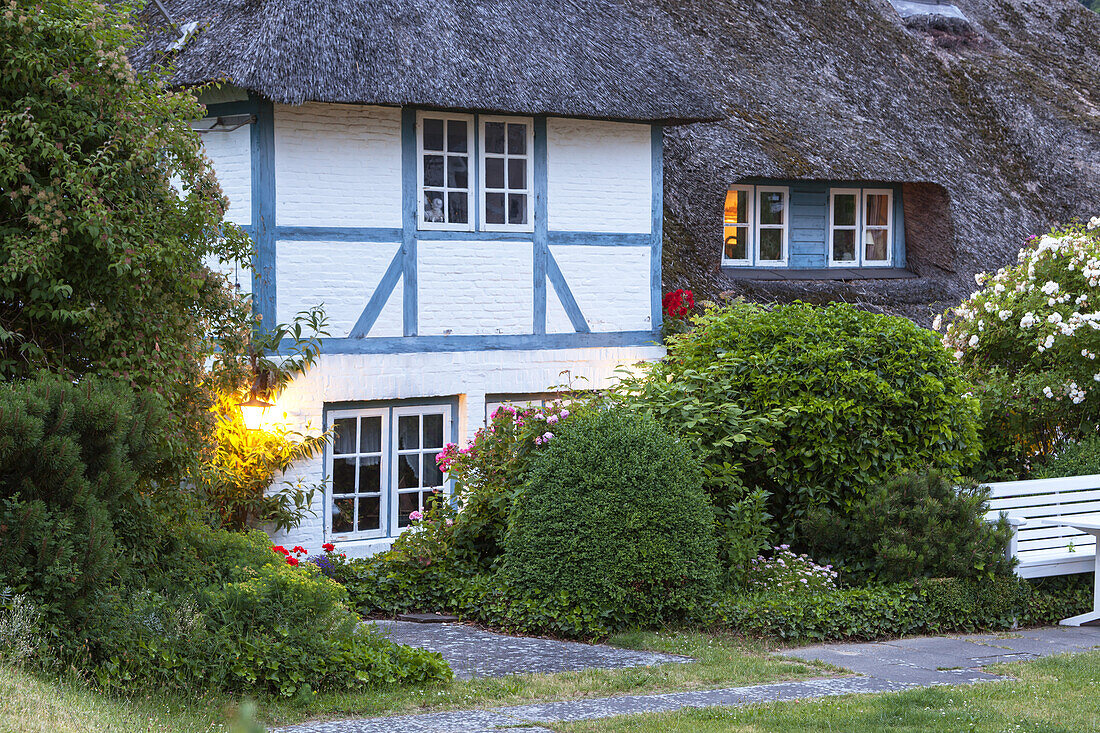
435 211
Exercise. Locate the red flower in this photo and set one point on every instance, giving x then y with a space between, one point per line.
292 561
280 548
678 303
299 550
328 547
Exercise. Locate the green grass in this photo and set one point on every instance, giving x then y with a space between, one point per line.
722 660
30 704
1054 695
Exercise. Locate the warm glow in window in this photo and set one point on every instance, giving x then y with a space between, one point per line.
738 225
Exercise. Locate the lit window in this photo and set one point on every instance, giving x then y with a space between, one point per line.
737 248
507 178
382 468
444 144
755 226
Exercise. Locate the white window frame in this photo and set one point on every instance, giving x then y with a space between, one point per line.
786 191
471 181
888 228
857 227
396 414
750 192
482 191
384 469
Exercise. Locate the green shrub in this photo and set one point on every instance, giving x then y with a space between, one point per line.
917 525
613 517
1073 458
815 405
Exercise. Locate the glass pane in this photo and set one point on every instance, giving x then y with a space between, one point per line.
878 209
408 471
343 475
517 173
433 134
342 515
433 170
370 475
456 207
494 137
344 442
517 208
494 172
874 242
457 137
368 513
771 244
432 475
844 210
433 431
844 245
737 243
407 503
494 208
370 435
737 207
457 174
517 139
772 205
408 432
433 206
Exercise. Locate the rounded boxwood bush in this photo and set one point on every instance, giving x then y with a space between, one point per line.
614 520
852 399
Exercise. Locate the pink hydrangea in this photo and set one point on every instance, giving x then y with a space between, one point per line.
415 516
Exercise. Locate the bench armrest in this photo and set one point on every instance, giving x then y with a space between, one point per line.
1016 521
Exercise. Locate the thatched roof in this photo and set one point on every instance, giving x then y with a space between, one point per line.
582 58
1003 113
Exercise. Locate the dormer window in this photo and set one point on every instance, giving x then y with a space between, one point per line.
756 226
861 227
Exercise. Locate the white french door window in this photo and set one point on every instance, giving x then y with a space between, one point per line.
878 227
444 146
381 468
419 437
506 173
861 227
737 226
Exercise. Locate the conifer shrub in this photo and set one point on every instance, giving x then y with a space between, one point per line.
613 519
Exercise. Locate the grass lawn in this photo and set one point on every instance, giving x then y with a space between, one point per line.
1053 695
723 660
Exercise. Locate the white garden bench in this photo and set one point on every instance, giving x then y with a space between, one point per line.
1042 549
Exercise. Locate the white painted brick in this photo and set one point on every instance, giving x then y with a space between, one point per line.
337 165
599 176
341 378
557 320
340 275
610 284
475 288
231 154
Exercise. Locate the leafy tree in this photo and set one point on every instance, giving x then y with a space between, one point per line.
101 257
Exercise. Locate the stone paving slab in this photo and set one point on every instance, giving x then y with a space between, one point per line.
474 652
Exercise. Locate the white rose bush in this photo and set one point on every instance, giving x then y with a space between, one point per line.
1029 338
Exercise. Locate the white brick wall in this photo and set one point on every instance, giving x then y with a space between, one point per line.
475 288
610 284
342 275
337 165
557 320
466 375
231 154
599 176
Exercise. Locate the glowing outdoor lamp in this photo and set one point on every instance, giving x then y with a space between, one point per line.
253 411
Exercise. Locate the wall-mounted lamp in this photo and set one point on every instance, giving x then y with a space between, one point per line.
253 411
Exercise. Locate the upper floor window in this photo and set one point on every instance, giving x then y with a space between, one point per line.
861 227
460 186
756 226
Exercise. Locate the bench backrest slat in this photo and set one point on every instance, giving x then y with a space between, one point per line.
1048 498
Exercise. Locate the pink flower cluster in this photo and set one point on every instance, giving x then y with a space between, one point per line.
785 571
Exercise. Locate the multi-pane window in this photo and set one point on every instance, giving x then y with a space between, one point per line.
382 468
737 247
861 227
771 225
506 173
357 473
878 209
755 226
444 143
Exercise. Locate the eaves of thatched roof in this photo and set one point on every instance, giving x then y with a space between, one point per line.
1003 115
583 58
